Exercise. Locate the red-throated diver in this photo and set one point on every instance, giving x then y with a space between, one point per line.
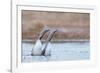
38 48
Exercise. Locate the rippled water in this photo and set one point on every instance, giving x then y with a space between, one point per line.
59 52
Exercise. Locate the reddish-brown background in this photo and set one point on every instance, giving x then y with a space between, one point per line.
72 25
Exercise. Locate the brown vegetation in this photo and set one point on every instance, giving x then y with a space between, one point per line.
72 25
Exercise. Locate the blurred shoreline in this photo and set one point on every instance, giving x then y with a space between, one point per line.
70 25
57 41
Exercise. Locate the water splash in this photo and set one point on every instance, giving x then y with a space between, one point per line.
37 50
48 49
39 47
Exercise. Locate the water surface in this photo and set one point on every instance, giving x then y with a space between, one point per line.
78 50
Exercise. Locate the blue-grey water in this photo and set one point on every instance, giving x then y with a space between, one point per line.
79 50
